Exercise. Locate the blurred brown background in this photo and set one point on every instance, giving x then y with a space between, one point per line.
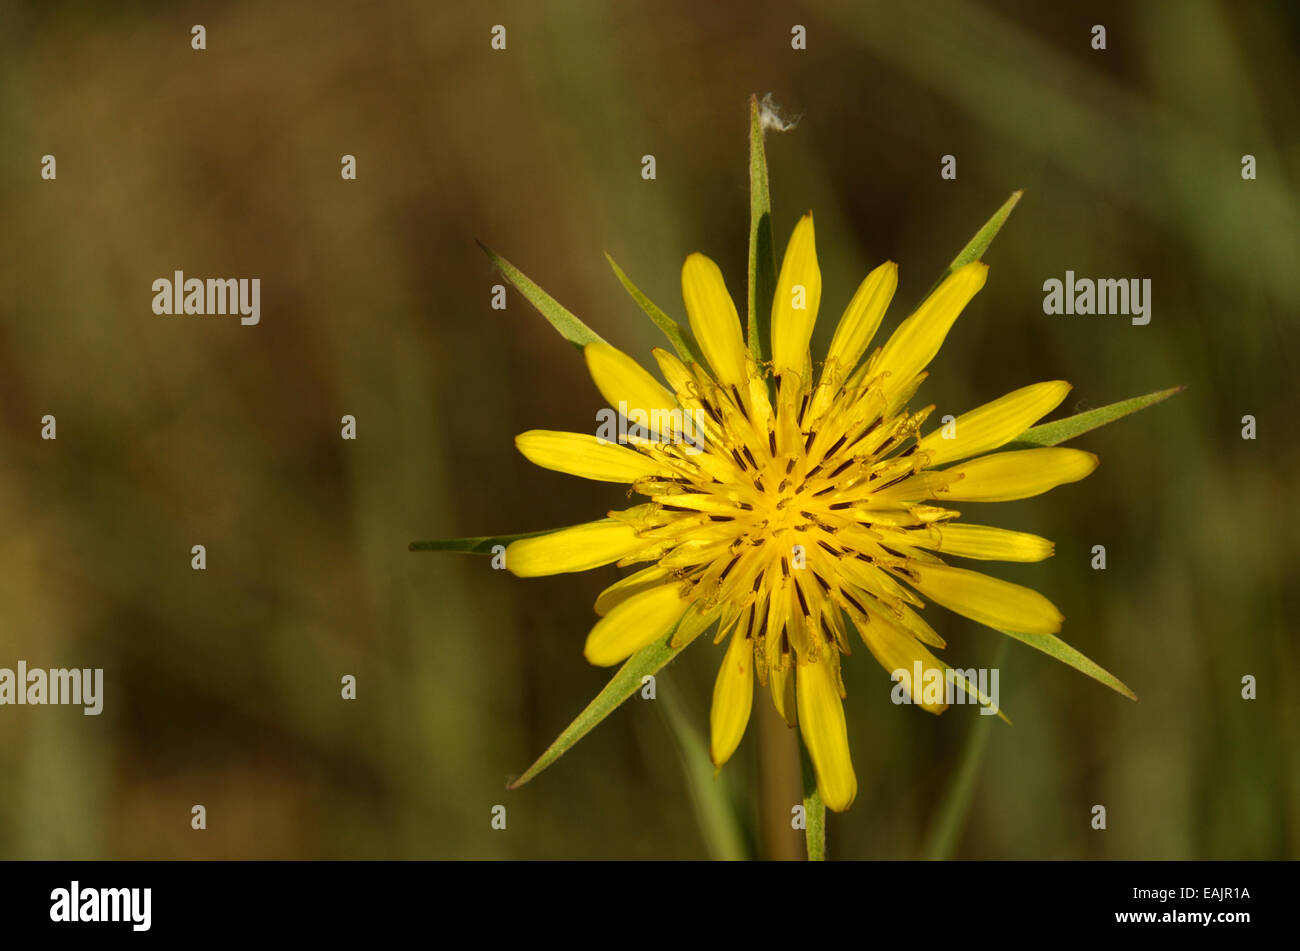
222 686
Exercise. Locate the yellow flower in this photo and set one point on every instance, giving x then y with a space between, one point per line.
788 505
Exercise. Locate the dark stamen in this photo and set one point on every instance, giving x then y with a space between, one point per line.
840 468
803 603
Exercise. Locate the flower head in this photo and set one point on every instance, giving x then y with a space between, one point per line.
790 504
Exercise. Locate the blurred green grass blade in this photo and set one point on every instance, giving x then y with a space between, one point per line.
622 685
762 254
1053 646
977 245
955 805
483 544
957 798
1051 434
570 327
682 339
814 810
719 824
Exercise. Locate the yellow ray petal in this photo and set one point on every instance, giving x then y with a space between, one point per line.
988 543
897 651
798 294
573 549
675 372
1005 476
917 626
861 319
634 583
582 454
988 600
628 387
713 318
733 696
821 722
917 339
694 622
781 685
706 502
633 624
994 424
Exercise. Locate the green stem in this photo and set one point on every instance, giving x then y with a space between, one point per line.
814 810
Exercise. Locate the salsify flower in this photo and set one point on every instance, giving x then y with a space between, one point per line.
789 503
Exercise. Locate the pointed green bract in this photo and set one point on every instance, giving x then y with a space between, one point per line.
682 339
483 544
971 690
621 686
762 252
1051 434
1053 646
977 245
570 327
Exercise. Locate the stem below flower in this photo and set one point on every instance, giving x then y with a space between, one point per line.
814 810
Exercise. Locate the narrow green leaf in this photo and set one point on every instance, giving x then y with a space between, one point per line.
762 253
714 811
814 810
683 340
481 545
621 686
1053 646
977 245
570 327
1051 434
